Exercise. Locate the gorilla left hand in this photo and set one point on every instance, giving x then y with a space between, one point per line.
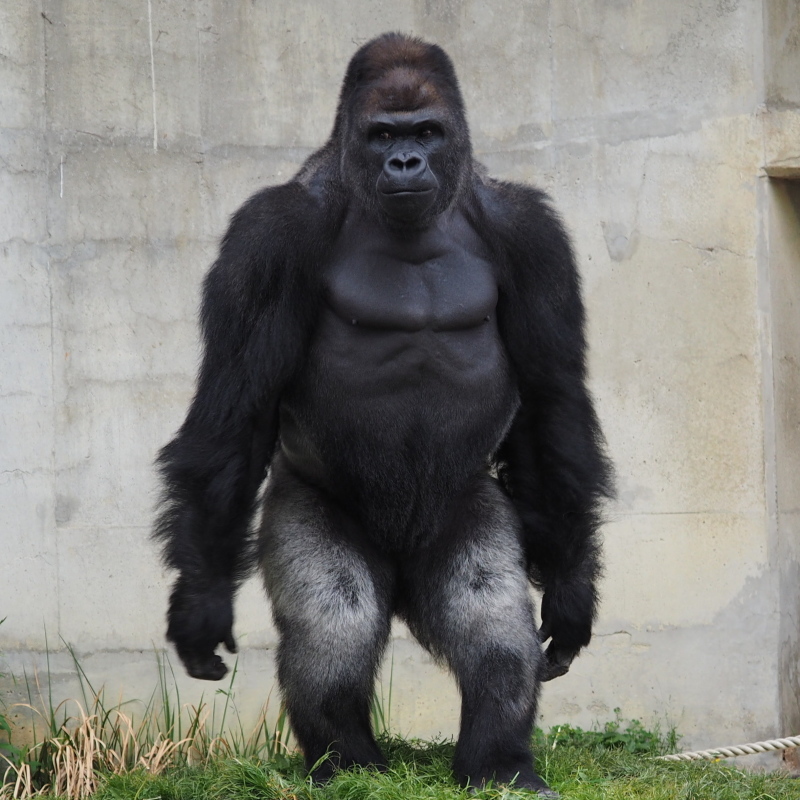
557 663
199 620
567 613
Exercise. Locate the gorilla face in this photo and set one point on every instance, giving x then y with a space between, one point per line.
401 136
404 149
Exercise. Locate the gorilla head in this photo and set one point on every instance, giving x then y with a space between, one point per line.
400 131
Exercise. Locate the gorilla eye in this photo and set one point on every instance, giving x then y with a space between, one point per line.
384 136
425 133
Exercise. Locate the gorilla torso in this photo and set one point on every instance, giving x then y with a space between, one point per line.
406 361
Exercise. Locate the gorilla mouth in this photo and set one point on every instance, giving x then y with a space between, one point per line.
396 192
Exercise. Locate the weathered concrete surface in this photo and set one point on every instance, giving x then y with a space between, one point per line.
784 306
131 131
782 53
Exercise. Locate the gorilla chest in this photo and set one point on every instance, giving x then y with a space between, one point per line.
451 290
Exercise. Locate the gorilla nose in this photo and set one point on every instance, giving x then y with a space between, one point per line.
405 166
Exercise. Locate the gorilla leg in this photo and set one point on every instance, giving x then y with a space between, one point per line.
466 600
331 598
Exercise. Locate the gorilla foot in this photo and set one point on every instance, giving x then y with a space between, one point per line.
538 786
324 769
525 778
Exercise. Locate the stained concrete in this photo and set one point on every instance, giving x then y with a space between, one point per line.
667 134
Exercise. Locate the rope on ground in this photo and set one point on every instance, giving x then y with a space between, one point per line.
736 750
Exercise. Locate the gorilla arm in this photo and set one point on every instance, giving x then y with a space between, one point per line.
552 461
255 318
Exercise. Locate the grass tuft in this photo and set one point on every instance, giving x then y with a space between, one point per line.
166 750
81 743
421 771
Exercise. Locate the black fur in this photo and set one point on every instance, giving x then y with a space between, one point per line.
382 331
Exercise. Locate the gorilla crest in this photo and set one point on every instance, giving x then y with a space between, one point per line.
394 342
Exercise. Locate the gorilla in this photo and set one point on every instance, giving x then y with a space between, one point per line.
394 341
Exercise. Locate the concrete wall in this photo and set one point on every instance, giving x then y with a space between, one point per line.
784 250
132 130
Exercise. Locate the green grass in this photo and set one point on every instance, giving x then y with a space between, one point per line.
77 744
580 765
164 749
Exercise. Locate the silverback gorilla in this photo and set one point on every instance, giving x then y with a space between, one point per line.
396 342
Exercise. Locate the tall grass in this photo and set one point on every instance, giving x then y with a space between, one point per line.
171 750
78 741
581 768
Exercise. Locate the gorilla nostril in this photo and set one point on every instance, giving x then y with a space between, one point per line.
405 163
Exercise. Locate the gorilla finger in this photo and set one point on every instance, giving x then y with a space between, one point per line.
230 643
204 667
550 671
545 632
557 663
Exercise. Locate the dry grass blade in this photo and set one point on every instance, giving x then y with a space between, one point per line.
77 758
101 741
161 755
22 785
126 749
86 742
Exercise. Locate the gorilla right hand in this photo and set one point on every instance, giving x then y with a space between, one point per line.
200 618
